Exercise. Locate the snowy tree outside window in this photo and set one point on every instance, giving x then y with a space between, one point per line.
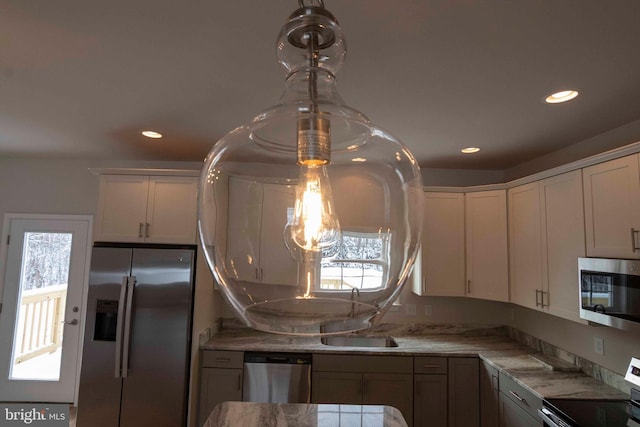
46 260
360 263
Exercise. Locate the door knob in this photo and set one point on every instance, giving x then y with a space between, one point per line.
73 322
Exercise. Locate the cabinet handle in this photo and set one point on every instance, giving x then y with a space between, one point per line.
430 366
424 285
469 286
146 229
542 304
633 239
140 230
223 359
514 394
537 300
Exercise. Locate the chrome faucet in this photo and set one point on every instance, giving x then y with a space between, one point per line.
354 292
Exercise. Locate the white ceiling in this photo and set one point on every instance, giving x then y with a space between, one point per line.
82 78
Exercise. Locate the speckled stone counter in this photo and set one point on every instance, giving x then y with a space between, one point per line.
491 344
236 414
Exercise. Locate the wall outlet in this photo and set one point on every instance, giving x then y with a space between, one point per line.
428 310
411 309
598 345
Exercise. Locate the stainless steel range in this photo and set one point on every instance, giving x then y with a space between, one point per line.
596 413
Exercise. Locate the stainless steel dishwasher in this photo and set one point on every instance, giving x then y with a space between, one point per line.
277 378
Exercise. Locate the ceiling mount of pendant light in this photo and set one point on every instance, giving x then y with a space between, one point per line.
302 238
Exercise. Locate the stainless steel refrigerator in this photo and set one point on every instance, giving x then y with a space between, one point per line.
136 357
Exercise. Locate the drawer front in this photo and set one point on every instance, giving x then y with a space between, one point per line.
355 363
222 359
429 365
519 395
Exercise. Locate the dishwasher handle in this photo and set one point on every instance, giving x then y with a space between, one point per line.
283 358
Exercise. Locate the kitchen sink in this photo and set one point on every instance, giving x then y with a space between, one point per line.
357 341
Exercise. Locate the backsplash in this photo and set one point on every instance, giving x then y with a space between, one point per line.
593 370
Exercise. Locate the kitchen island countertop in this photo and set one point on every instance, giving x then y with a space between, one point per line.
232 414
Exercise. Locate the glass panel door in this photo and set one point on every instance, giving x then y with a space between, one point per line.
46 270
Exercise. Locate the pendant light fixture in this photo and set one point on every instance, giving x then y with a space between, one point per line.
309 215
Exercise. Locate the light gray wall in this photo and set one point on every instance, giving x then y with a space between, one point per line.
65 186
460 177
618 137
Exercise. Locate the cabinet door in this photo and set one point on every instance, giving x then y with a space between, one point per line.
464 392
563 242
487 255
216 386
390 389
511 415
612 207
122 208
277 266
525 245
430 400
243 229
489 396
443 245
336 387
172 210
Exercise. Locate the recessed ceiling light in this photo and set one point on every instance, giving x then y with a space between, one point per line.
358 159
152 134
470 150
562 96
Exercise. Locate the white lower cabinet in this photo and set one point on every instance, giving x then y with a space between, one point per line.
220 380
358 380
489 396
429 391
518 406
512 415
464 392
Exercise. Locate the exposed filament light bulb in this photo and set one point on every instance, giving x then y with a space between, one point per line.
314 226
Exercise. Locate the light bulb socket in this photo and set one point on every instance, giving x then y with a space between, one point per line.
314 140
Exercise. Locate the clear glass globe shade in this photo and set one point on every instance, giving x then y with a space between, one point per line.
314 243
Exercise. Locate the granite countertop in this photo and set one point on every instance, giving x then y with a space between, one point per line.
231 414
544 378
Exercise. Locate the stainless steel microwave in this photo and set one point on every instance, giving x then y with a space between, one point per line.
610 292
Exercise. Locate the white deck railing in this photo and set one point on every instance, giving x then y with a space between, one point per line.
40 322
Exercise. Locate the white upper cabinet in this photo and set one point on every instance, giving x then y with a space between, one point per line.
255 244
525 245
486 242
150 209
546 237
443 261
612 208
563 242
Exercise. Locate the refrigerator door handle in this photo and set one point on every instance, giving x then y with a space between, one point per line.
127 327
120 325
